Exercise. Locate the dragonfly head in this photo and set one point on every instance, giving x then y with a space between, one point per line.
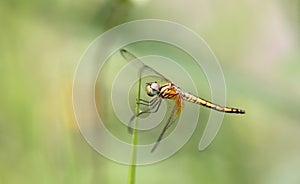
152 88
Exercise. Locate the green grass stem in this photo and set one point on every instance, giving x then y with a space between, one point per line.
132 166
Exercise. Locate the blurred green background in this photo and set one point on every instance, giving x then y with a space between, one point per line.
257 44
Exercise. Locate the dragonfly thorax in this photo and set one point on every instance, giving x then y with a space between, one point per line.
152 88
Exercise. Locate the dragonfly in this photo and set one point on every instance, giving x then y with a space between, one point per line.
171 91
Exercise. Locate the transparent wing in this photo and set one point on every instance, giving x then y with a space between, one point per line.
175 113
130 57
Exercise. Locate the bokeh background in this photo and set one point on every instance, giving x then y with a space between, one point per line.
256 42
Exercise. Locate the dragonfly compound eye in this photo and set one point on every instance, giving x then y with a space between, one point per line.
152 89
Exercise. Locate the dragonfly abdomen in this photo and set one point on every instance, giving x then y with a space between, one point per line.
194 99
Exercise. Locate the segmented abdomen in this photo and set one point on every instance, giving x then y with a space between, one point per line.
194 99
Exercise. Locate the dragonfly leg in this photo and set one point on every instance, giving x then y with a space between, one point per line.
148 103
153 108
143 102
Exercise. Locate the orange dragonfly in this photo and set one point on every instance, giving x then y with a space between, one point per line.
169 91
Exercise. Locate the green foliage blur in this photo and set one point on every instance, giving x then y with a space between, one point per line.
257 44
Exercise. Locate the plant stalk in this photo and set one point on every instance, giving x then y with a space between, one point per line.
134 140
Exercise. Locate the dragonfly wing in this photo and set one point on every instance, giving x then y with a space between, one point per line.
130 57
172 118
